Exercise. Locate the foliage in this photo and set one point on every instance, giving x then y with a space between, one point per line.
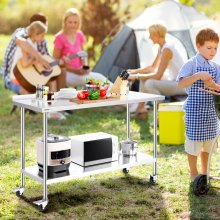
187 2
3 4
210 8
17 14
99 18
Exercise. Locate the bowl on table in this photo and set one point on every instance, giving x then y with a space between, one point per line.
90 87
66 93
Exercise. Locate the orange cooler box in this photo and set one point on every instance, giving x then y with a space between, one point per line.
171 123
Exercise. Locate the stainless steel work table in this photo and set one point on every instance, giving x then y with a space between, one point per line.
75 171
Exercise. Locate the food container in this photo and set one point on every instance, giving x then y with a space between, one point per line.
171 123
90 87
128 148
105 86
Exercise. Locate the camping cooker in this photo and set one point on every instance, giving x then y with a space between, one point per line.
59 149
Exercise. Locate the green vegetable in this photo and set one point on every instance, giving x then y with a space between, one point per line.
94 81
94 94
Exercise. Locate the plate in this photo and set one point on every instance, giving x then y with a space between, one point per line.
65 95
67 90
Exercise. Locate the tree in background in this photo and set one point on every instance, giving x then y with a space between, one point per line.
99 18
187 2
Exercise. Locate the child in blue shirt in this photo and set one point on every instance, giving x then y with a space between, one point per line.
200 116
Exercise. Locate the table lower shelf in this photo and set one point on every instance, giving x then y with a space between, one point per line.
76 171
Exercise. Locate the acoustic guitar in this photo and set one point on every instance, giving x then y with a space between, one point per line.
30 76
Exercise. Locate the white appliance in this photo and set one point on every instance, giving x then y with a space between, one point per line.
94 148
59 151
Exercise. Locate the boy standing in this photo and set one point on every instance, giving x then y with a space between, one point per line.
200 116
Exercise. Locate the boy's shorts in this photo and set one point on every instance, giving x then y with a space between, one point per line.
195 147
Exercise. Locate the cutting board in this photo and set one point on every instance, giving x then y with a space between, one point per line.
85 101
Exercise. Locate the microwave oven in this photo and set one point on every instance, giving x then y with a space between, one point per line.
94 148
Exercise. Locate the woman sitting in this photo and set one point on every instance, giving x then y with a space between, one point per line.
70 40
160 77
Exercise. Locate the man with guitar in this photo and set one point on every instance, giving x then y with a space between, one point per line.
19 39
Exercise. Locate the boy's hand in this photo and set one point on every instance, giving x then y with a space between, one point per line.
210 83
204 76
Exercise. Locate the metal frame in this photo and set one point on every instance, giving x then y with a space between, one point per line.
43 203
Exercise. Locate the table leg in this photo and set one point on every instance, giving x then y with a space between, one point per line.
128 122
153 177
43 203
20 190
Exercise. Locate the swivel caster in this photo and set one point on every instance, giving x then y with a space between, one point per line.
125 171
200 185
152 180
41 208
41 204
18 193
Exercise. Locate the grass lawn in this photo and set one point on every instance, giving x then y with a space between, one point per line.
111 195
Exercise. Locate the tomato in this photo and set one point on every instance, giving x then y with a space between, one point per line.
86 92
90 82
102 92
81 95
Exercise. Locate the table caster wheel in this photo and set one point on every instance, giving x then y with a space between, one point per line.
40 207
18 193
125 171
200 185
152 180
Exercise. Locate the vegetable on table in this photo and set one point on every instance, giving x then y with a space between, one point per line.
102 92
94 94
81 95
86 92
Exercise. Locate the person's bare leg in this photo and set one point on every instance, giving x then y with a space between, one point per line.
141 108
23 91
61 79
204 161
53 85
192 160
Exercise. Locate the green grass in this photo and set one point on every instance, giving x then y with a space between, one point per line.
111 195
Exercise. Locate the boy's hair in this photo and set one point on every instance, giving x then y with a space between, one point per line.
160 29
206 34
69 12
36 27
38 17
